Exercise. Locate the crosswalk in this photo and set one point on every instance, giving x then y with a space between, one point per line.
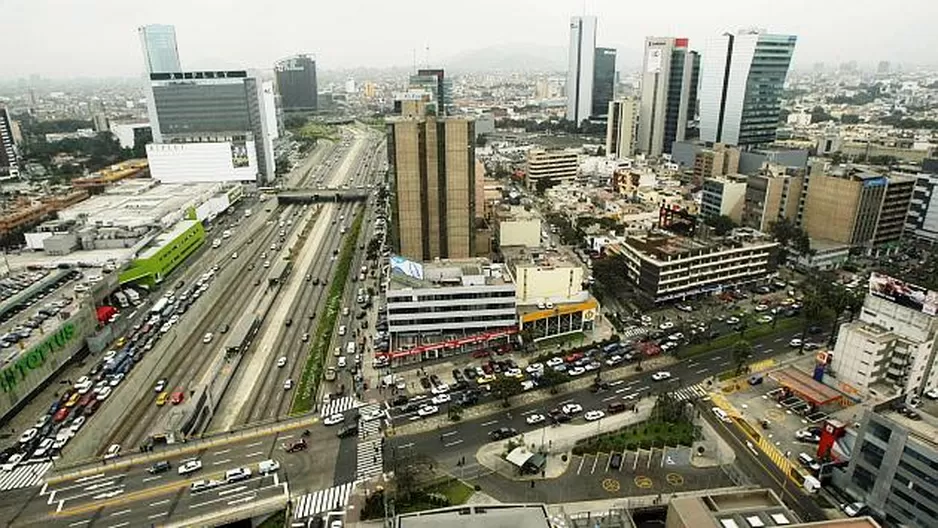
339 405
370 458
335 498
687 393
24 476
633 331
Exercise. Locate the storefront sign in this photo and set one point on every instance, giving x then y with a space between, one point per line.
35 358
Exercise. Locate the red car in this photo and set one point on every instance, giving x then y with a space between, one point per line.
92 407
61 415
177 397
571 358
86 399
481 354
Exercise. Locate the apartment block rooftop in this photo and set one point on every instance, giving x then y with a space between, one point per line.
924 428
664 246
406 274
544 258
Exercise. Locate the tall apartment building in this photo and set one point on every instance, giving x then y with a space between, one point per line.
666 268
741 85
724 195
893 466
604 82
160 53
296 83
621 127
227 109
716 161
922 220
580 68
773 194
551 167
432 159
9 159
852 206
668 94
892 344
434 81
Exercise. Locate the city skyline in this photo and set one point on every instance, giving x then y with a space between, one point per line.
80 42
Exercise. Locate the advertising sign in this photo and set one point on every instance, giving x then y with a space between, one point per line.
904 294
653 61
407 267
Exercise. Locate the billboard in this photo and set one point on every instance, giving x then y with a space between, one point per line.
407 267
903 293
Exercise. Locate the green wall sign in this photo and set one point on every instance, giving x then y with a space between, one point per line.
36 357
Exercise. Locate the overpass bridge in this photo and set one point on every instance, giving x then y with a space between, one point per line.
321 194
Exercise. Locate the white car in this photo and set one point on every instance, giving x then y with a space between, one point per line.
572 408
732 320
114 450
174 319
527 385
282 361
592 416
667 325
646 319
61 439
84 380
677 336
576 371
932 394
109 355
442 388
854 509
11 462
341 362
76 424
534 368
287 385
160 385
43 448
428 410
534 419
342 330
190 466
795 343
661 375
208 338
115 380
84 387
372 414
554 361
440 399
514 373
333 419
762 307
104 393
684 307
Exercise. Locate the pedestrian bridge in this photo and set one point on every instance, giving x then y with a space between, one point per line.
314 195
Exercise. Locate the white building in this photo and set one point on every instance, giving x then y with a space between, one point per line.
203 162
621 128
580 68
553 166
723 196
519 228
892 345
922 219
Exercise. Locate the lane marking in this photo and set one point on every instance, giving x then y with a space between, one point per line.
725 364
159 503
701 371
454 442
243 499
79 523
219 462
148 479
222 452
580 468
403 446
155 515
255 444
86 479
122 512
488 423
609 398
450 433
232 490
254 454
119 525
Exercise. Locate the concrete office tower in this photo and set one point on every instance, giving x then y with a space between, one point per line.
580 68
604 82
296 83
668 93
434 81
9 164
160 54
226 108
772 195
741 86
432 160
620 128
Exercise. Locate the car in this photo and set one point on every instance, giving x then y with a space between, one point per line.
73 400
534 368
113 382
237 474
159 467
761 307
333 419
161 398
28 435
721 414
12 462
677 336
809 435
503 433
440 399
514 373
684 307
732 320
616 408
667 325
795 343
534 419
305 337
440 388
189 466
372 414
571 408
207 338
554 361
428 410
44 447
268 466
614 360
177 397
282 361
592 416
160 385
576 371
330 374
113 451
809 462
103 393
660 375
615 461
76 424
204 485
853 509
299 445
288 384
765 319
932 394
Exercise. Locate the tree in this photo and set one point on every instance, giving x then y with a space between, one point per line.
742 351
819 115
480 141
553 379
849 119
541 186
505 387
721 224
668 409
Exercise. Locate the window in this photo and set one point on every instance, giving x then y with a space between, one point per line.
880 431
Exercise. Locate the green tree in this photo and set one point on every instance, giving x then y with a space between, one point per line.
819 115
541 186
741 352
849 119
721 224
505 387
553 379
668 409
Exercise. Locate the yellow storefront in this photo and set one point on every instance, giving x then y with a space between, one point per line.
561 319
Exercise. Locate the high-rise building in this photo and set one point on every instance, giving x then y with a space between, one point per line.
9 164
723 196
580 68
922 219
668 94
550 167
772 195
620 128
741 86
604 82
432 160
716 161
296 83
160 54
223 107
434 81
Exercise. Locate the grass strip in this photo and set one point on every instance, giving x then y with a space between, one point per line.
305 396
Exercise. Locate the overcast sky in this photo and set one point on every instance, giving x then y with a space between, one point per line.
97 38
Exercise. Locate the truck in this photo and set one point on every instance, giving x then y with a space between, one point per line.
132 295
350 348
121 299
159 305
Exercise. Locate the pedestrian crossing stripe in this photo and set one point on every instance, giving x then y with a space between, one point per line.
339 406
370 456
335 498
24 476
775 455
687 393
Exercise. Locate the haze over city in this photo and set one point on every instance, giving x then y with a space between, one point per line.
53 38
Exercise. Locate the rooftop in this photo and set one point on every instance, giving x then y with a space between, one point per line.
924 430
543 258
661 245
477 516
407 275
165 237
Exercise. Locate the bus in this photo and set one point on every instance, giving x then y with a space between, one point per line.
159 305
132 295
